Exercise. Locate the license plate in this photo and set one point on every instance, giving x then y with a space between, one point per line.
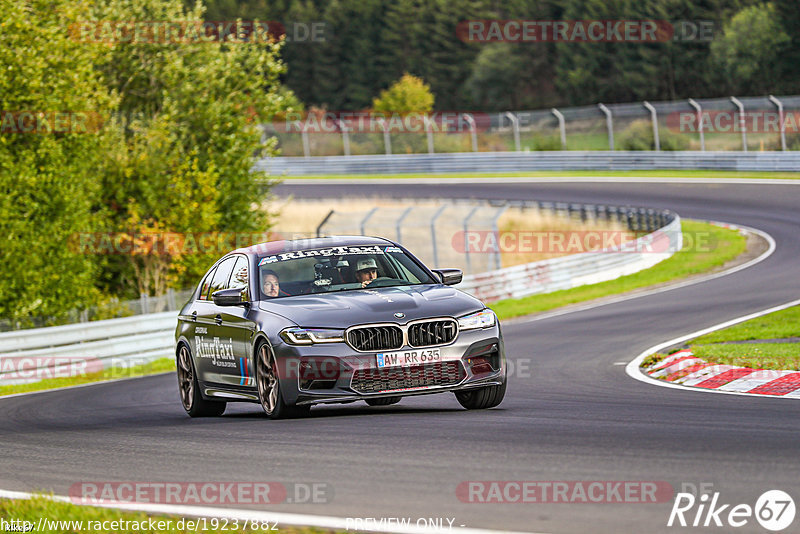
408 357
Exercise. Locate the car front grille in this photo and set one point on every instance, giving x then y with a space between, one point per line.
429 333
397 378
374 338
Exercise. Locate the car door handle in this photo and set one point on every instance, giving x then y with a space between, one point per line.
218 319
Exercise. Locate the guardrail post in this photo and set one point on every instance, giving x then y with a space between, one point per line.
433 235
699 111
428 132
609 125
654 118
781 125
366 218
466 238
562 128
742 121
399 222
171 299
515 126
473 131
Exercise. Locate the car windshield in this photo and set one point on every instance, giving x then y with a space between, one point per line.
343 268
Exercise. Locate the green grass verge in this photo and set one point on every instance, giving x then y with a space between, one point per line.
695 257
92 519
779 356
157 366
677 173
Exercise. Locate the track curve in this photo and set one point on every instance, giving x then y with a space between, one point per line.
578 417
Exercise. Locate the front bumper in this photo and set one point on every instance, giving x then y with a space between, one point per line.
335 373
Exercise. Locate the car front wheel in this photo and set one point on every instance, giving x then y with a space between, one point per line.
191 398
269 387
481 398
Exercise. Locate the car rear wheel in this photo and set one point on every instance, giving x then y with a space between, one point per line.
269 387
383 401
191 398
481 398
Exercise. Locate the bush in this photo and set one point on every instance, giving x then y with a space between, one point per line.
639 136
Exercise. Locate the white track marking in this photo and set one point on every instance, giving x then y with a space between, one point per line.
308 520
434 180
632 369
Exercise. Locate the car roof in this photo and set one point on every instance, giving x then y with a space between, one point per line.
276 247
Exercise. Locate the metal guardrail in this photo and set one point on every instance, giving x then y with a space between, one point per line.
576 270
488 162
30 355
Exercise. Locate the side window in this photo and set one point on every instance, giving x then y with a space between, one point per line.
206 285
239 276
222 275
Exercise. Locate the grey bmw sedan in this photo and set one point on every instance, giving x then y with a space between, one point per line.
291 324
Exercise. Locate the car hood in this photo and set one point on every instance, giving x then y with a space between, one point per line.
359 306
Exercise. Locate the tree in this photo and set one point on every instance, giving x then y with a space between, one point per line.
48 174
191 113
750 48
408 94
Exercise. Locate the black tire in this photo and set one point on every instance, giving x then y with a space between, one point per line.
268 383
481 398
383 401
189 391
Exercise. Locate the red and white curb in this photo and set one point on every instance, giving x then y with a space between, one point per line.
684 368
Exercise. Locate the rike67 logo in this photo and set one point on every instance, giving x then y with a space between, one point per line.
774 510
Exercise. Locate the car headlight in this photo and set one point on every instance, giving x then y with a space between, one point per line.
309 336
482 319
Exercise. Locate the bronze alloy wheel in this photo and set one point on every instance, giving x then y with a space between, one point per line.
185 378
267 380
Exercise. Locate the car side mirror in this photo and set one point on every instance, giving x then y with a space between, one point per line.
450 277
230 297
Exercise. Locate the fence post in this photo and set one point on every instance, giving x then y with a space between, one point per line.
473 131
143 304
654 117
428 132
399 222
171 299
562 128
496 217
433 235
742 122
609 125
306 144
366 218
699 111
782 126
465 224
387 138
345 137
515 126
319 227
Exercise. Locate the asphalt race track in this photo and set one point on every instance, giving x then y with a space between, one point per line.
578 417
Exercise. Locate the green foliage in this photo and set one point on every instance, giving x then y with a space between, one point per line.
408 94
749 51
639 136
48 181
